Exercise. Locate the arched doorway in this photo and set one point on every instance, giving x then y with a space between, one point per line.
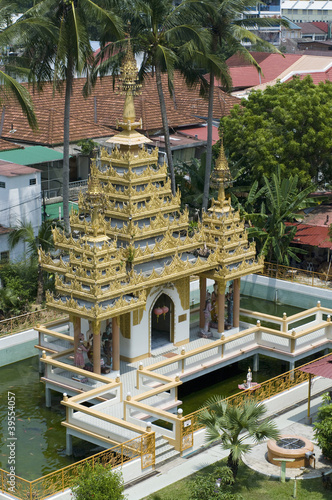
162 323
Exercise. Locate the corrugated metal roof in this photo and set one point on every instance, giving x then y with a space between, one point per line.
315 236
201 133
31 156
321 368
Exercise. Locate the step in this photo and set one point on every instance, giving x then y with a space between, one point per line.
164 452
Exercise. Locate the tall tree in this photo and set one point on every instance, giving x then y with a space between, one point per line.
225 20
66 54
11 32
234 425
287 126
160 31
280 199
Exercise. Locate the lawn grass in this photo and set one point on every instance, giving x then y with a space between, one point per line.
252 486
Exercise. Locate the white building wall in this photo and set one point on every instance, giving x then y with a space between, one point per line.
140 342
307 11
19 201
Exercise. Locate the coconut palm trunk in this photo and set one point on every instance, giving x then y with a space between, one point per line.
166 129
208 162
66 138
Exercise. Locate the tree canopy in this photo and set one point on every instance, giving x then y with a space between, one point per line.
287 125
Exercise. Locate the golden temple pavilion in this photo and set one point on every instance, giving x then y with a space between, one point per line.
123 274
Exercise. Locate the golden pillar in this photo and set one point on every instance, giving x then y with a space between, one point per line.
77 330
221 308
236 302
116 345
202 300
96 347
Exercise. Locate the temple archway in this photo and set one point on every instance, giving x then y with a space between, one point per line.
162 327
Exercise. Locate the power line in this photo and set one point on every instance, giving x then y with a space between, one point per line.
21 203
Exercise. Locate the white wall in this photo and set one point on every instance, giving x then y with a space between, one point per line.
19 202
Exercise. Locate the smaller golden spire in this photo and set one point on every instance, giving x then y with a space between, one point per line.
129 86
221 174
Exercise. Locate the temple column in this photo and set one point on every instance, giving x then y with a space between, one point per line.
221 309
77 330
236 302
202 300
116 345
96 347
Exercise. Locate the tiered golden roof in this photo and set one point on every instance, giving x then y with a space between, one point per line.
225 233
129 233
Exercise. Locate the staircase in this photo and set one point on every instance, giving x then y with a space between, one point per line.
164 451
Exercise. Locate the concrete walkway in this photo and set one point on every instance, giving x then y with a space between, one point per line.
291 422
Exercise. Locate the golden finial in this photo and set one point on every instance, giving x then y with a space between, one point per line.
129 86
221 174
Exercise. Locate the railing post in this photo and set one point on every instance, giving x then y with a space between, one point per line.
183 352
62 480
293 340
284 323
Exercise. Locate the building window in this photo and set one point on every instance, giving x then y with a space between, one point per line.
4 256
32 182
2 184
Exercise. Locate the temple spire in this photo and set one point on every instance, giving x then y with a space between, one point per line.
129 138
129 86
221 174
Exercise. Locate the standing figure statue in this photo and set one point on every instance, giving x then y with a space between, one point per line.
207 316
79 354
214 305
230 306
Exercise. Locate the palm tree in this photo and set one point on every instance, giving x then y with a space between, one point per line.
67 53
234 425
225 21
160 32
44 240
9 85
280 200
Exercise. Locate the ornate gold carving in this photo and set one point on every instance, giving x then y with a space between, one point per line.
183 289
125 326
97 312
137 316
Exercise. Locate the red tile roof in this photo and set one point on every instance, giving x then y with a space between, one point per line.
309 28
8 146
8 169
321 25
93 117
314 236
272 65
321 367
320 76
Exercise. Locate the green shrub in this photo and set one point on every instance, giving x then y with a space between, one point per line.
216 486
323 427
99 483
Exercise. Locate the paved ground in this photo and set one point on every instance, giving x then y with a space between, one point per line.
291 422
